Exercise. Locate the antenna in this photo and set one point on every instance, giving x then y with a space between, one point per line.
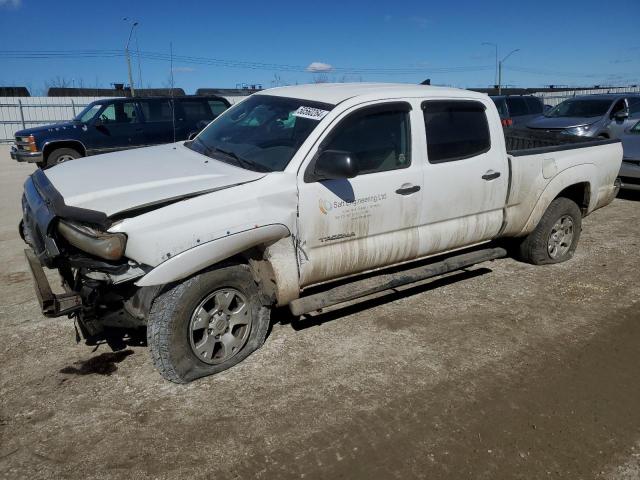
173 104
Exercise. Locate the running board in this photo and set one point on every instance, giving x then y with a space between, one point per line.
369 286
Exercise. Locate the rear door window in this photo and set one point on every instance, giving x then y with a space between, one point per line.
455 129
534 104
157 110
217 107
196 110
517 106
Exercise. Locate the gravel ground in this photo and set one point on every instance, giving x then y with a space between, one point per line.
504 371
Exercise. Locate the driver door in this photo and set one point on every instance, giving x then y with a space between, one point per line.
351 225
117 127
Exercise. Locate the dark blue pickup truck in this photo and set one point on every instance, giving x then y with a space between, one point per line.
117 124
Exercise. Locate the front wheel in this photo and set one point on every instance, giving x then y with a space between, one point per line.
207 324
61 155
556 236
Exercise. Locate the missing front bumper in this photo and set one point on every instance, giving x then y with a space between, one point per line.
51 304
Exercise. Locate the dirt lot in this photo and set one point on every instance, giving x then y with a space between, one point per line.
504 371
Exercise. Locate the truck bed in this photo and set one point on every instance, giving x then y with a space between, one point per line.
523 141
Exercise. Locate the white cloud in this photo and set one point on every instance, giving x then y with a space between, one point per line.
319 67
184 69
421 22
11 3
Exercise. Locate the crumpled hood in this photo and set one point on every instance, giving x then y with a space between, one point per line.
561 122
115 182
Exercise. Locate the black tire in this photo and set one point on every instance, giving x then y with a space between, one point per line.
169 326
60 155
535 248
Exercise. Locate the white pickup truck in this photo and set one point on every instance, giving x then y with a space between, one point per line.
293 188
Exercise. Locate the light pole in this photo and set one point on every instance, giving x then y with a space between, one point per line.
500 69
490 44
126 50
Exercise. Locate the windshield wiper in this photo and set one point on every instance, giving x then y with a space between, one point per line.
251 165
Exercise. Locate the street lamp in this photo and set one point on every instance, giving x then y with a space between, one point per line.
126 50
500 69
490 44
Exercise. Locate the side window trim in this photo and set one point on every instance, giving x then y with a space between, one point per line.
398 106
424 105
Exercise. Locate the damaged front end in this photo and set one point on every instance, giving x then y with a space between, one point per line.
97 279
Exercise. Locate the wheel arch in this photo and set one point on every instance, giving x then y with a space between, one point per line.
574 183
268 250
55 144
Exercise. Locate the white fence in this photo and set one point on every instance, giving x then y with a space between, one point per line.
554 98
17 113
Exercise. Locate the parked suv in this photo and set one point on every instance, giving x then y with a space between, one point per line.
517 109
605 116
117 124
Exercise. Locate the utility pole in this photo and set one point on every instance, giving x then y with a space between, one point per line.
491 44
126 50
500 69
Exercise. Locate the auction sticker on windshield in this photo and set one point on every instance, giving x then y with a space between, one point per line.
310 113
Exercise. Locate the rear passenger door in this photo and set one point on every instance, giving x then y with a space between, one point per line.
465 175
158 120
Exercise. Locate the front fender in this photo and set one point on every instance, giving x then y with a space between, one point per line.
202 256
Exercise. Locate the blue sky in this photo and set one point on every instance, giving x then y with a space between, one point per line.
566 42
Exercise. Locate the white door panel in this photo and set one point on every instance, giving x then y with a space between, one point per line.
349 226
464 199
352 225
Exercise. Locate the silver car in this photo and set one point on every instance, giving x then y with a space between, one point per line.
605 116
630 170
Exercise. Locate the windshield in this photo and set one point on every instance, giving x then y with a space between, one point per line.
635 128
580 108
88 113
261 133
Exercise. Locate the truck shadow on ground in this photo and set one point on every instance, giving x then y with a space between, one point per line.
285 317
103 364
632 195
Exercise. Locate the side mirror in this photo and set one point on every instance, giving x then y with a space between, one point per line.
621 115
335 165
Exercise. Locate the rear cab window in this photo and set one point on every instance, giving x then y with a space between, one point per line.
517 106
455 130
535 105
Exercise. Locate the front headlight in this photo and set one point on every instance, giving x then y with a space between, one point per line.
581 130
109 246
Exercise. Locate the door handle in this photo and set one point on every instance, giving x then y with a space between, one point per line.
490 175
408 190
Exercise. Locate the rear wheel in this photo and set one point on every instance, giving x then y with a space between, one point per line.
207 324
556 237
61 155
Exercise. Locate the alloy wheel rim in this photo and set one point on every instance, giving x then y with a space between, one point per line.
220 325
561 237
64 158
